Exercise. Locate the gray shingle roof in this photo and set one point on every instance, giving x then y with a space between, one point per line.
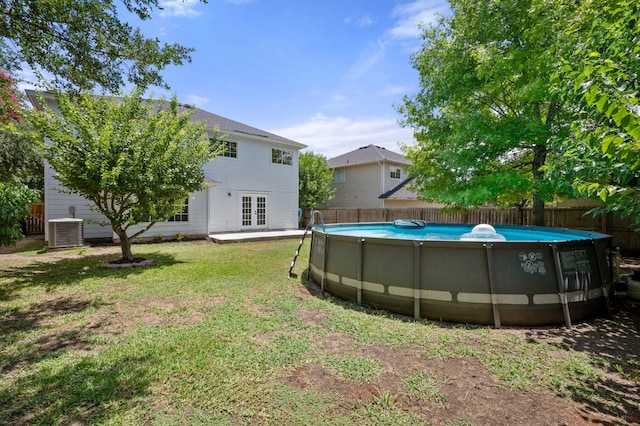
225 125
365 155
400 192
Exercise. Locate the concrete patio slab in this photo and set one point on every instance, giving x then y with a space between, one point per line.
236 237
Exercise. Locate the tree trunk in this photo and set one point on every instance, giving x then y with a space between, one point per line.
538 210
539 158
125 244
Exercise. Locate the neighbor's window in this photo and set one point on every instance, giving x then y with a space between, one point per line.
227 149
339 176
281 156
395 173
182 216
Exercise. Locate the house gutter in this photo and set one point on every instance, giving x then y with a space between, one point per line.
381 163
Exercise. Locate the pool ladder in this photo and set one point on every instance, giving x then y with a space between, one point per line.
310 226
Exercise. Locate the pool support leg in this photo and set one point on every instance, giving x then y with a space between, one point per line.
324 263
417 279
604 284
561 290
492 279
360 272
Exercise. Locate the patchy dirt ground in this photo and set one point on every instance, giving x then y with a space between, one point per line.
473 393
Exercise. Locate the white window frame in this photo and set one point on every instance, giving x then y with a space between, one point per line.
282 156
229 149
183 215
395 173
339 176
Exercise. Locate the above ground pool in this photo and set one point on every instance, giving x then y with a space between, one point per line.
483 274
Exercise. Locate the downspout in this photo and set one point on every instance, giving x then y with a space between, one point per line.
381 163
208 188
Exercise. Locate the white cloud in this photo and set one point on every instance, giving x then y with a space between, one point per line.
393 90
199 101
367 61
410 15
361 21
333 136
186 8
407 17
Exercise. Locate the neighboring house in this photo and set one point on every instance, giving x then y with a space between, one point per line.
251 185
372 177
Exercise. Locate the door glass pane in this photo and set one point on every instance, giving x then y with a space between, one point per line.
246 211
261 211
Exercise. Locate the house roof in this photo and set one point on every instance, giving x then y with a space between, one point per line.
225 125
365 155
400 192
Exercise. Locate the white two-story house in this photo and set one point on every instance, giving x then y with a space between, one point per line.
252 185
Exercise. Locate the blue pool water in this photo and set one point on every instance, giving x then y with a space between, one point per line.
445 232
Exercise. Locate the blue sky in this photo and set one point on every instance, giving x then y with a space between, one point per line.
325 73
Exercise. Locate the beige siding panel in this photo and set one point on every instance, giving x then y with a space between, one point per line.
402 204
361 187
392 183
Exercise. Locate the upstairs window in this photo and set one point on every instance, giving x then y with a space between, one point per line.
227 149
281 156
395 173
339 176
182 216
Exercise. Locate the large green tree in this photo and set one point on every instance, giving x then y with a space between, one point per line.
21 156
136 160
20 164
600 77
314 183
9 104
485 119
14 209
82 44
20 146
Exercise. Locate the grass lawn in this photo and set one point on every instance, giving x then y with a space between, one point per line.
217 334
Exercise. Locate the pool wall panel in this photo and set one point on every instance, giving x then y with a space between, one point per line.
501 283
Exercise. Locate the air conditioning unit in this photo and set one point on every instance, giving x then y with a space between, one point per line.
65 232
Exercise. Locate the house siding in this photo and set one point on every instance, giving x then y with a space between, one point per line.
216 208
361 188
57 206
404 204
388 182
196 226
253 173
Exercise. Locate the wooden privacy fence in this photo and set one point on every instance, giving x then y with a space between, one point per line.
35 220
621 230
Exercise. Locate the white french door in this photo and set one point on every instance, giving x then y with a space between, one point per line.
253 211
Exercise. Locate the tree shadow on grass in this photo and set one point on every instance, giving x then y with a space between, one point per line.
55 364
52 375
614 342
28 336
89 390
65 272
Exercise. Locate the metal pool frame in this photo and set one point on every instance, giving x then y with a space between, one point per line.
516 283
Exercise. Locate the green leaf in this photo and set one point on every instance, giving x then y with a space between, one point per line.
601 102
